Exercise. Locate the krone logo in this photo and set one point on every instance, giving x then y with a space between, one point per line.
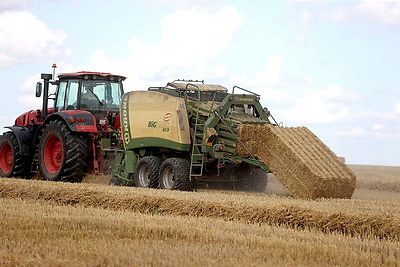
167 116
125 123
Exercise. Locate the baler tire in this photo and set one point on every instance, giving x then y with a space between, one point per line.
114 181
175 175
12 163
252 179
147 171
63 154
259 181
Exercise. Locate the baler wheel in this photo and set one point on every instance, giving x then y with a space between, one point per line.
147 171
62 153
250 179
12 163
174 175
114 181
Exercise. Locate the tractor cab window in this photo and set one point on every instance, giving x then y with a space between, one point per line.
62 89
100 95
72 95
67 95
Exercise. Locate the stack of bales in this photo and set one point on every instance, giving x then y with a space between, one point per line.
301 161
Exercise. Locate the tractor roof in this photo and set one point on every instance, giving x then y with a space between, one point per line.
197 86
89 75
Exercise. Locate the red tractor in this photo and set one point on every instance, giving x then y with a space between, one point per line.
70 139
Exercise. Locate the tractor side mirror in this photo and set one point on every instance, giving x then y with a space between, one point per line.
38 92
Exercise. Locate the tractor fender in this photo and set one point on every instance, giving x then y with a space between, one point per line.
24 138
76 120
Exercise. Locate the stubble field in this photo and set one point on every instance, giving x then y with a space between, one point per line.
92 224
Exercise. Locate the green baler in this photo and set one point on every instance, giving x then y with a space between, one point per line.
185 134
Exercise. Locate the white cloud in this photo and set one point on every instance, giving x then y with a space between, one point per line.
337 93
387 12
382 125
29 84
355 132
272 74
294 1
305 22
24 38
338 16
297 100
180 3
370 11
213 32
318 106
397 109
14 4
268 82
308 13
392 116
377 126
27 96
179 53
30 101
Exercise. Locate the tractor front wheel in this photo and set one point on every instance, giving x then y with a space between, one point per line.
147 170
63 154
174 175
12 163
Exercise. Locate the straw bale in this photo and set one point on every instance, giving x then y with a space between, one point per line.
300 160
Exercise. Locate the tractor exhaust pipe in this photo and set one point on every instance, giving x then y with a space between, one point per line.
46 79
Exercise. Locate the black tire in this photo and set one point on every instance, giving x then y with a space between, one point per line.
114 181
63 154
174 175
12 163
250 179
147 171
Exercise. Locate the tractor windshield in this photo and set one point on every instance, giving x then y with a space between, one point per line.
100 95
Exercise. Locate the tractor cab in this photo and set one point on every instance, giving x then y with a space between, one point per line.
97 93
90 91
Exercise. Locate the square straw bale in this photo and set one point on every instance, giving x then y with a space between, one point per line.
300 160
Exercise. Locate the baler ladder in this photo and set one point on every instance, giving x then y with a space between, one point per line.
197 156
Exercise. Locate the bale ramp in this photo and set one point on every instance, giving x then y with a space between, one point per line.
300 160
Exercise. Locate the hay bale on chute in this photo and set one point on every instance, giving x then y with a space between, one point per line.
300 160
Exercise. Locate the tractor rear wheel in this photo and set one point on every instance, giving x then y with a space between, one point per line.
174 175
12 163
63 154
147 171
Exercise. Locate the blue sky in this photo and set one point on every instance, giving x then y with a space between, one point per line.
332 66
